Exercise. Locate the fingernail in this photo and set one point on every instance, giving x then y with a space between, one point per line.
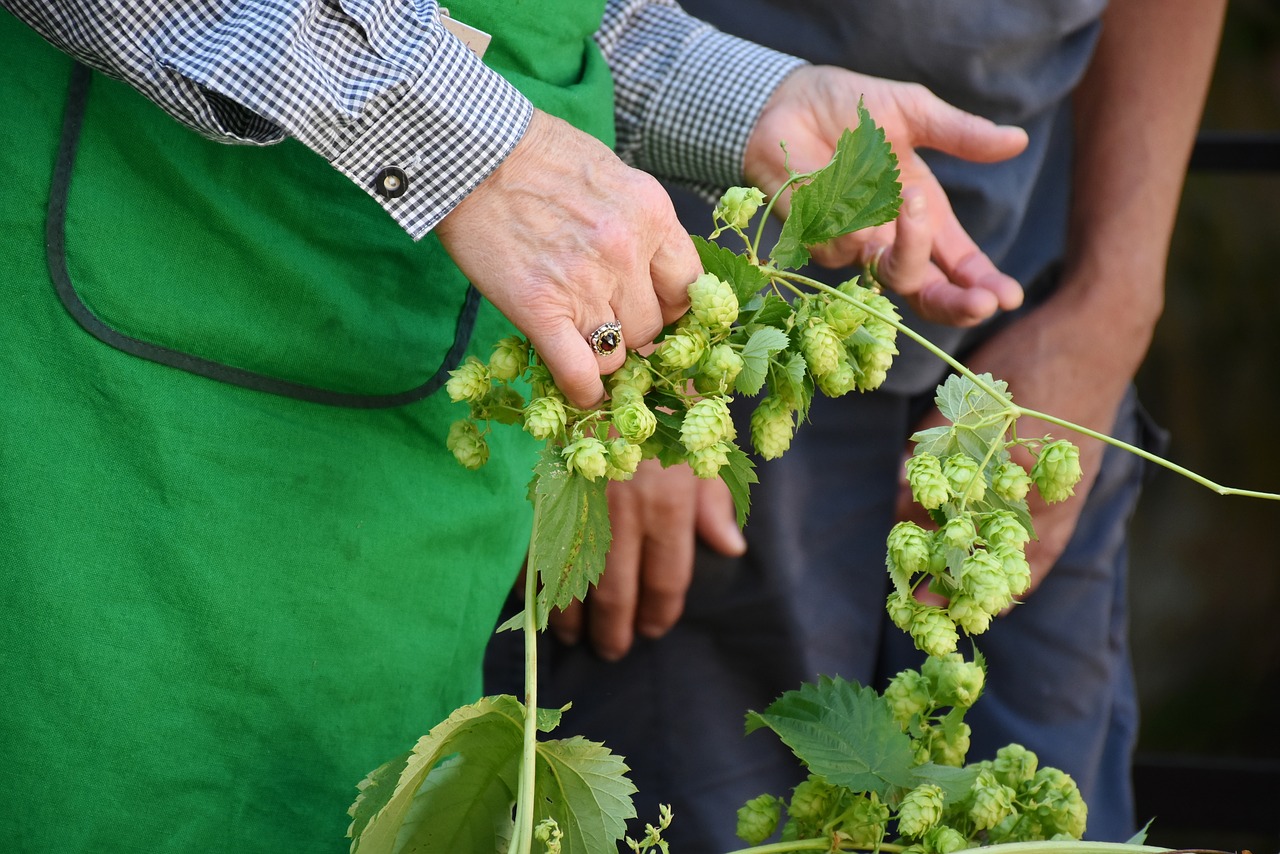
566 637
915 205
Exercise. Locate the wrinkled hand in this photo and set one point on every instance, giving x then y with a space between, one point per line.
562 237
925 254
656 519
1051 367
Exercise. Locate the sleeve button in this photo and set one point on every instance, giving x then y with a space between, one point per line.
390 183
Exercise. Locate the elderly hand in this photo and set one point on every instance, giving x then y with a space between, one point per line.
925 254
564 237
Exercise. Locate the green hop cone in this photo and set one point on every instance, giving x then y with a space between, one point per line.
707 462
909 552
1003 528
902 609
467 445
719 370
865 821
872 363
928 487
1011 482
877 328
839 382
953 681
1057 471
509 358
812 801
1055 800
622 460
1014 765
469 381
634 374
968 615
959 533
544 418
992 801
844 317
758 819
634 421
983 580
945 840
950 745
586 456
908 695
933 631
821 348
713 303
737 206
920 810
682 350
772 426
964 475
1017 572
705 423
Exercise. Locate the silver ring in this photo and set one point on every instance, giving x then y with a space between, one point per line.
606 338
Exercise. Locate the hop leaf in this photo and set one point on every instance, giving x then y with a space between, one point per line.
467 445
1057 471
758 819
469 381
586 456
920 810
544 417
772 426
705 423
928 486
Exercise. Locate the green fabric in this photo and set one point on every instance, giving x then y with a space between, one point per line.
223 607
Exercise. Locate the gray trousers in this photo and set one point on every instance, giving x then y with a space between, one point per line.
808 599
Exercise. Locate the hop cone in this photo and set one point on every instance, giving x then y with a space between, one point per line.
933 631
738 205
544 417
706 423
929 488
920 810
1057 471
707 462
635 421
908 695
964 475
467 445
821 347
954 681
713 302
509 358
1010 481
622 460
587 457
469 381
758 819
772 426
682 350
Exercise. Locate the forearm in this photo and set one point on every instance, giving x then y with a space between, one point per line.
383 85
1137 111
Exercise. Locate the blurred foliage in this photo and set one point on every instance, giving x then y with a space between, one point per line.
1206 569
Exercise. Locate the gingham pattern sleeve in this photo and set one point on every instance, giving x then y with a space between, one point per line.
687 95
370 85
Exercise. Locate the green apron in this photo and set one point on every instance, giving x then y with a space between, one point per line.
238 567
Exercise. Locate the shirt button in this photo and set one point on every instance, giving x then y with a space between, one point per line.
390 183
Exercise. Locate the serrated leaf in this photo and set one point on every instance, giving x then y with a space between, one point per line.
746 278
843 732
772 310
738 475
954 782
457 788
859 188
935 440
665 440
570 533
762 344
790 376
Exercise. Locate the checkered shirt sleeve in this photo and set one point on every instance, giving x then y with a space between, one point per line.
372 84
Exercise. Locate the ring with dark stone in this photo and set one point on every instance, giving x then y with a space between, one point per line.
606 338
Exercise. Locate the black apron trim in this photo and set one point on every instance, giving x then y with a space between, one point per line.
55 241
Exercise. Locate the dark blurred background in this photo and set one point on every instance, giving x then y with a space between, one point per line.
1206 568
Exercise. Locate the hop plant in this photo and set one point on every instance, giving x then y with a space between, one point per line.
586 456
908 695
705 423
622 460
1057 471
964 476
821 348
953 681
635 421
928 487
920 810
544 418
467 445
509 358
713 303
707 462
758 819
737 206
1010 481
772 425
469 381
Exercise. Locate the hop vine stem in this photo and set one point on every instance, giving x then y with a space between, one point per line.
1013 408
522 837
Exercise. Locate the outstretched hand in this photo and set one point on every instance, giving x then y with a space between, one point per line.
925 255
563 237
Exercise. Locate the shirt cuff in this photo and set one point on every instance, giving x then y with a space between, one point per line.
700 118
420 154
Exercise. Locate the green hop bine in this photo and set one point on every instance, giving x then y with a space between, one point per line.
762 332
